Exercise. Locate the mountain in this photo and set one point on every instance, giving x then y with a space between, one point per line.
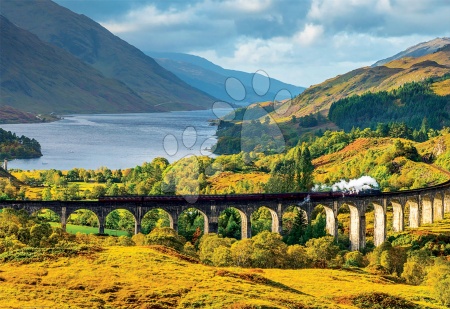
418 50
40 78
389 76
107 53
210 78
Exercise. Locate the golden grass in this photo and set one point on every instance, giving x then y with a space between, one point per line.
141 277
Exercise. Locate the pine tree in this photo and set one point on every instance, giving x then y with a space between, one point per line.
304 170
298 229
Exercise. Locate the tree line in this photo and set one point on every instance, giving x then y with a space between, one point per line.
18 147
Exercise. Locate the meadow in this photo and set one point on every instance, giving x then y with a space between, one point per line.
145 277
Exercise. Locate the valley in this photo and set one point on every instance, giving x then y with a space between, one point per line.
138 173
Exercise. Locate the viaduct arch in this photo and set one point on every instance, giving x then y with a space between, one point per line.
426 205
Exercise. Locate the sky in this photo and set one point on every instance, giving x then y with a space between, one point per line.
301 42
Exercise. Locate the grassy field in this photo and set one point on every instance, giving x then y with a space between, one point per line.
73 229
141 277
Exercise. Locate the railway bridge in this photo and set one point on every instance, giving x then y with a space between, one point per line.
412 207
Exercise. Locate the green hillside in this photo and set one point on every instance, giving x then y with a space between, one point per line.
40 78
92 44
391 75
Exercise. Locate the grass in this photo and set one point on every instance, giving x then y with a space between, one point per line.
438 227
141 277
73 229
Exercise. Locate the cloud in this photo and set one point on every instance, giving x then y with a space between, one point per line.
301 42
310 34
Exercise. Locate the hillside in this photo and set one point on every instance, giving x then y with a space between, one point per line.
107 53
40 78
141 277
418 50
10 114
390 76
210 78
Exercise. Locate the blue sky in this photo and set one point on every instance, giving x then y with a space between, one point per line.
302 42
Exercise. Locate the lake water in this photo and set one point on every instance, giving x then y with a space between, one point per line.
118 140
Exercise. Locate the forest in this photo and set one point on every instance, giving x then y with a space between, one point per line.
18 147
409 104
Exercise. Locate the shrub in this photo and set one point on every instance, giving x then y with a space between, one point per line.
413 273
442 291
125 241
166 236
241 252
321 250
222 256
354 258
189 250
297 257
208 243
139 239
382 301
269 250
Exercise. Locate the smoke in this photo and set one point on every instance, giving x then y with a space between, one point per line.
353 185
362 183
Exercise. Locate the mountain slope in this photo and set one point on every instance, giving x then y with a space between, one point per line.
418 50
370 79
96 46
210 78
38 77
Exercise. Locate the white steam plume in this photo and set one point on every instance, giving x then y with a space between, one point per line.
353 185
362 183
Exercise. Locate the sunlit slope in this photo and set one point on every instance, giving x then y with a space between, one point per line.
376 157
374 79
140 277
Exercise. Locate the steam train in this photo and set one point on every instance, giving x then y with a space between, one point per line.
239 197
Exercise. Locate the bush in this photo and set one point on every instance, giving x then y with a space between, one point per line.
297 257
189 250
222 256
208 243
438 277
442 291
382 301
166 236
241 252
390 258
269 250
413 273
139 239
321 250
125 241
354 258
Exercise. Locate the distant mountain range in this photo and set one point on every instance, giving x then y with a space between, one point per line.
38 77
418 50
433 62
140 83
210 78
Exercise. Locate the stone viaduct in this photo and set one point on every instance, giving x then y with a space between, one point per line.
421 206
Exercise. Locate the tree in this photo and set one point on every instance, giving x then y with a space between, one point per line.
241 252
282 177
297 257
46 194
321 250
208 243
413 273
269 250
230 223
304 169
298 229
222 256
39 233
